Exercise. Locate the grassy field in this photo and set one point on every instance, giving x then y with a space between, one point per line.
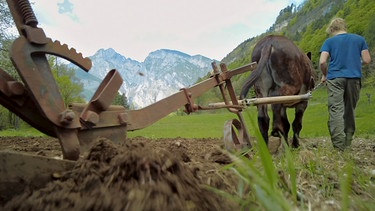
207 124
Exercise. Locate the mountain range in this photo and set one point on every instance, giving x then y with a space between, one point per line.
163 73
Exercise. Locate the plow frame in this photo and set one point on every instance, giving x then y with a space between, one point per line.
37 100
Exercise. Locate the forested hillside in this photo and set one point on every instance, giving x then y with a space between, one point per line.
305 24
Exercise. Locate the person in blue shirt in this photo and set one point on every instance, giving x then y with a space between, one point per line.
341 58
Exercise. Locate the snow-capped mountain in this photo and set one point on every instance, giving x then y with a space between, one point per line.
163 73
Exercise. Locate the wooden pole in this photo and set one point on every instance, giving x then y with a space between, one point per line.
291 99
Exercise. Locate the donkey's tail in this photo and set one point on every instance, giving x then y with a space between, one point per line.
264 58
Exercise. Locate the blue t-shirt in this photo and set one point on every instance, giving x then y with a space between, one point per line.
345 55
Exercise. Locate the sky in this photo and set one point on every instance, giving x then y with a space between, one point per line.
136 28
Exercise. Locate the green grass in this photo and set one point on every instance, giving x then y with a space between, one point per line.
24 132
202 125
207 124
316 115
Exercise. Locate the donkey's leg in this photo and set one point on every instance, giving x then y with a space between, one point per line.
297 123
280 122
263 121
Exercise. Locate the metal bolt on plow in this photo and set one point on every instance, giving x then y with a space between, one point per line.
67 117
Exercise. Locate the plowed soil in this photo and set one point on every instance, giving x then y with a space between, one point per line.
141 174
161 174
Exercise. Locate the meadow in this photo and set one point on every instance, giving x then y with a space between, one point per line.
208 124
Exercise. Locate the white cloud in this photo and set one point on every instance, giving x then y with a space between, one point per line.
135 28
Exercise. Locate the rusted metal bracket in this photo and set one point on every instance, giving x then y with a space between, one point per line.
102 99
230 135
41 93
189 106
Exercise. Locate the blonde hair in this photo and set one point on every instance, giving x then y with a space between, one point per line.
337 24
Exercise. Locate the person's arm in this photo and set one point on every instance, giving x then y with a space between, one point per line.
366 58
323 65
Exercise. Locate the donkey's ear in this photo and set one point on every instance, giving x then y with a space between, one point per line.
309 55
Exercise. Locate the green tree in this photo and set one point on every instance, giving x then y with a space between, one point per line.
6 21
6 38
69 85
7 119
121 100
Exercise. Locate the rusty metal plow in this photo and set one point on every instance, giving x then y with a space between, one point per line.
38 101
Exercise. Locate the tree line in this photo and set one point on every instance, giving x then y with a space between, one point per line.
358 14
306 25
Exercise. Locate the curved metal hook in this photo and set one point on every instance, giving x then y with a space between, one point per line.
234 136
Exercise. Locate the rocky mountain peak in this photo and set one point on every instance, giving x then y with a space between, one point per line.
163 73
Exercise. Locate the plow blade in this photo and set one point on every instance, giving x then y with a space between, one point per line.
21 172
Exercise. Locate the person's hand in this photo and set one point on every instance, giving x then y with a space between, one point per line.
323 79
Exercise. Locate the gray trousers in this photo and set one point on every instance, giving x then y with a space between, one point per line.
343 96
